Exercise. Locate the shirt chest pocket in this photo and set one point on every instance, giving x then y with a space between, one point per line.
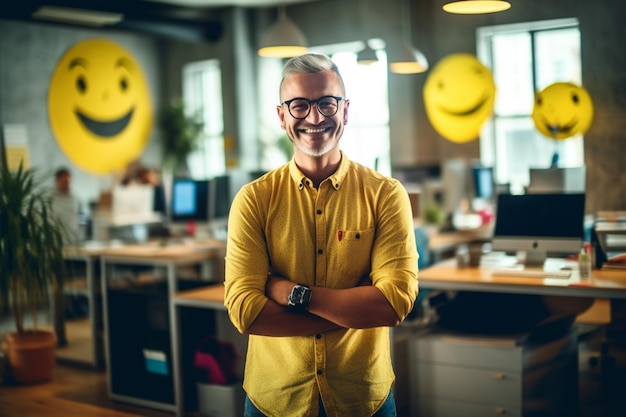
354 249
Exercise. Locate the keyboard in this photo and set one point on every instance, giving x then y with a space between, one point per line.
530 273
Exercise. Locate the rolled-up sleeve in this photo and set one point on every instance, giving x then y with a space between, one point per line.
247 263
394 255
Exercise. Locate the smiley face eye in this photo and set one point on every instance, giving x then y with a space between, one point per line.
123 84
575 98
81 84
539 101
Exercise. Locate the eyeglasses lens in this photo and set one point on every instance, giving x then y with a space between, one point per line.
327 106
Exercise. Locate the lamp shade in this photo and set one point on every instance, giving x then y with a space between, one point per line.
407 60
476 6
283 39
366 56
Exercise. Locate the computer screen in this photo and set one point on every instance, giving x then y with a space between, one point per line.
190 200
557 180
483 181
132 199
220 197
538 224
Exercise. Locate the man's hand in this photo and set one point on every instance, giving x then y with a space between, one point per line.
278 289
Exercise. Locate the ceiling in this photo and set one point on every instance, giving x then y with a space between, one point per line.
219 3
181 19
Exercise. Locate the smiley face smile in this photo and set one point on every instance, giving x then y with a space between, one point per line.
105 129
469 112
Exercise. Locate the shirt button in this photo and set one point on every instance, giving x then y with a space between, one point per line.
320 251
319 211
320 372
358 236
318 336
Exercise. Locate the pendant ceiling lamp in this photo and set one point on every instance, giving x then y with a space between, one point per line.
283 39
404 58
366 56
407 60
476 6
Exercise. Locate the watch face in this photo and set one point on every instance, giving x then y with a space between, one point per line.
296 295
299 296
299 293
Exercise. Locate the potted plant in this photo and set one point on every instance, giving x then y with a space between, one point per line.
32 269
180 135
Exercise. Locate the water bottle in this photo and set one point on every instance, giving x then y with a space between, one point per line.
584 262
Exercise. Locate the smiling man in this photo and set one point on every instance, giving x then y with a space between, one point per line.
321 261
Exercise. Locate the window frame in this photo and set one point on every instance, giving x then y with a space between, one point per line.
203 97
493 141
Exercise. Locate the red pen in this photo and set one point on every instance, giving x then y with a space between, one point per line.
339 235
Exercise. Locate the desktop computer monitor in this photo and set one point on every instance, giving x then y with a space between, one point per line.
219 202
203 202
132 199
557 180
190 200
538 224
483 182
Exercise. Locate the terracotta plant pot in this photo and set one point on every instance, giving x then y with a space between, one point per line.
32 355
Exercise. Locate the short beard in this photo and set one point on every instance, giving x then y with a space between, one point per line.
316 153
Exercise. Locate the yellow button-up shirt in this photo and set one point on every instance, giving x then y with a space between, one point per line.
357 222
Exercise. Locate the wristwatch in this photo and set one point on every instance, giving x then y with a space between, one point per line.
300 297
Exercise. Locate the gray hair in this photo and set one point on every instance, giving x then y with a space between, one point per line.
309 63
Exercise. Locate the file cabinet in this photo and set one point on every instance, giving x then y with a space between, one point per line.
474 376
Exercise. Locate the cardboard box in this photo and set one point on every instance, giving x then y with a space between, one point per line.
221 400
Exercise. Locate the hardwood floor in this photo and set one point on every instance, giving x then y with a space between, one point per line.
73 392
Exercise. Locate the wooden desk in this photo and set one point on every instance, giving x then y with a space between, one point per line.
446 275
443 245
207 306
138 282
206 297
562 293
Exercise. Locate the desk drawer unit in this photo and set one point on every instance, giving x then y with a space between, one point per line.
465 376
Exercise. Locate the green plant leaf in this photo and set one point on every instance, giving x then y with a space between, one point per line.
31 244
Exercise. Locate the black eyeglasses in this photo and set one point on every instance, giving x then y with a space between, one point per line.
300 107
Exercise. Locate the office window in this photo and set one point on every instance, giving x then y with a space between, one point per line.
202 92
525 58
366 138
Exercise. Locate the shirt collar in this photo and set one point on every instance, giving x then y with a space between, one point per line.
336 178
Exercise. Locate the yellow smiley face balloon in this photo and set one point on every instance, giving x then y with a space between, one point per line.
562 110
459 95
99 106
